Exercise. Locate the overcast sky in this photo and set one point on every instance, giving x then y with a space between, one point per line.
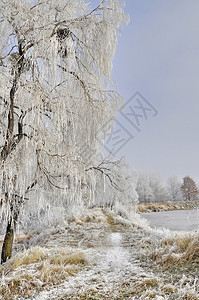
158 55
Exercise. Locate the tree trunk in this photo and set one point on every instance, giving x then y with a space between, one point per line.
8 243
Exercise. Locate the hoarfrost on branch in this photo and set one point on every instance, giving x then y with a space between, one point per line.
55 96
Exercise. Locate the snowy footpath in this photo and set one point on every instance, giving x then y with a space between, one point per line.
112 263
119 266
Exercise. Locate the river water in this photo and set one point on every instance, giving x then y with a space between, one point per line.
178 220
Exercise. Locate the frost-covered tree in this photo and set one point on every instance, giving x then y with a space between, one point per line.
173 188
115 174
55 97
158 189
144 190
150 188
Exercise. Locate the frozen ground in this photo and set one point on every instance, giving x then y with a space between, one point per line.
119 264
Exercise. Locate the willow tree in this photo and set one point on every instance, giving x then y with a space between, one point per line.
55 96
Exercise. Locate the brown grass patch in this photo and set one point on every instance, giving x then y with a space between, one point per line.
89 216
167 206
150 282
55 274
186 250
66 256
192 251
33 255
23 275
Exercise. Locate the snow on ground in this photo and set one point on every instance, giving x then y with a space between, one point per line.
118 270
111 263
119 264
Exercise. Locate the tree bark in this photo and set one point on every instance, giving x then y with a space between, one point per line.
15 206
8 243
9 236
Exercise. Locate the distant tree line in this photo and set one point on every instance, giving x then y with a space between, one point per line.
151 189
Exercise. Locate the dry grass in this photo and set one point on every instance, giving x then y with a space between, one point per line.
150 282
61 256
153 207
104 217
185 250
30 271
168 288
167 206
55 274
192 251
89 216
20 238
66 256
110 217
180 242
27 257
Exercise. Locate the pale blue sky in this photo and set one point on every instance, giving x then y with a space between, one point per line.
158 55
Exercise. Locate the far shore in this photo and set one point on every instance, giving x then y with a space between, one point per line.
167 206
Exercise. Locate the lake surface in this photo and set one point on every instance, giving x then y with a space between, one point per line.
178 220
